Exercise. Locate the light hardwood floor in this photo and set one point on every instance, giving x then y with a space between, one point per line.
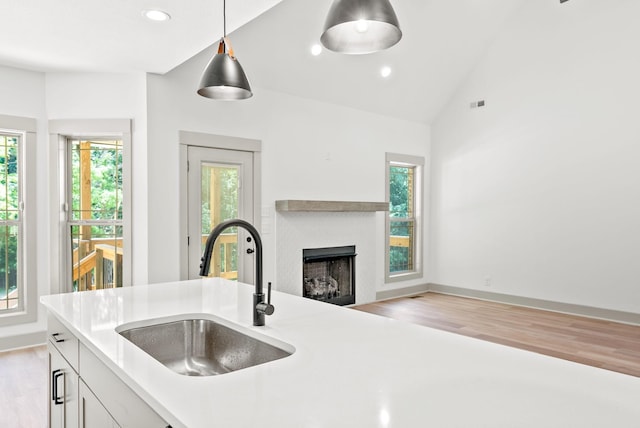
599 343
23 388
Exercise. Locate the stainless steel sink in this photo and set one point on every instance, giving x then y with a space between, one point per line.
202 347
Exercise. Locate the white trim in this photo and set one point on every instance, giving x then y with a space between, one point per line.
21 124
183 183
418 163
509 299
60 131
531 302
401 292
399 158
27 273
88 128
213 141
21 341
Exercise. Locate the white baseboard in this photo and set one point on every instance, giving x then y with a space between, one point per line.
567 308
402 292
22 341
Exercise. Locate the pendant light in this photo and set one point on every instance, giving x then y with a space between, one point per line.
224 78
360 26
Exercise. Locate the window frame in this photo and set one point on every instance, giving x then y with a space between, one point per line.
61 132
72 222
27 309
416 162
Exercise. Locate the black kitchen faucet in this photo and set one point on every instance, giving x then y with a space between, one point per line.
260 307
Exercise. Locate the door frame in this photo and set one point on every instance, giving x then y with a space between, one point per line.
204 157
213 141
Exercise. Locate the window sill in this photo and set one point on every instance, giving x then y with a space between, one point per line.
18 317
390 279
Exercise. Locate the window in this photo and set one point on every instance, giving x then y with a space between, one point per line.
10 220
92 173
403 250
94 219
18 286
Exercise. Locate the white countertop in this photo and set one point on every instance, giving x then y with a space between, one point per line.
350 369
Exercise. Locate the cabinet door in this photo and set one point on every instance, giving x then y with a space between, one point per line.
92 412
63 392
121 402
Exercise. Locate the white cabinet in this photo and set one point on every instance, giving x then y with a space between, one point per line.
63 391
63 376
84 393
128 409
92 413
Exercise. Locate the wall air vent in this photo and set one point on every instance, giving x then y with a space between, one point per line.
477 104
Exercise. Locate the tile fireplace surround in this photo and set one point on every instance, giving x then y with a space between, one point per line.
296 230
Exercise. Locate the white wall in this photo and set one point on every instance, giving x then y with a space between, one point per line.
22 94
77 96
311 150
323 146
111 96
540 190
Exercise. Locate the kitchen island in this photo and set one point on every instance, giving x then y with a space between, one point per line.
348 368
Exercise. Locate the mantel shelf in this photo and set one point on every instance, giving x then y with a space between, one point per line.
330 206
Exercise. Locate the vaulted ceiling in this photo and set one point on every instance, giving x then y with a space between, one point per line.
113 36
442 41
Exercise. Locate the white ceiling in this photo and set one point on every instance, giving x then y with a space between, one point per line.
442 41
112 35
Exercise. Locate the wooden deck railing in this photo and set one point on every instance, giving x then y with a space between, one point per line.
223 269
90 271
91 274
400 241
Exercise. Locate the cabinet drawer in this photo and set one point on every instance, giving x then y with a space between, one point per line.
63 340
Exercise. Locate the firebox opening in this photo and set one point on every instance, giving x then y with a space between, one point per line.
329 274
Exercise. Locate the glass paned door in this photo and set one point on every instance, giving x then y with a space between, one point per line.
220 188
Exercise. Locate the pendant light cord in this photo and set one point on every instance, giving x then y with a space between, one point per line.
224 16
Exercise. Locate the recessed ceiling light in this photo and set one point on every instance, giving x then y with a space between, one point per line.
316 49
156 15
385 71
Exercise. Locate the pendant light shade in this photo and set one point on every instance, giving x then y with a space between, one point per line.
224 78
360 26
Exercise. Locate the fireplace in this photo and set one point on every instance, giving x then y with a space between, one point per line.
329 274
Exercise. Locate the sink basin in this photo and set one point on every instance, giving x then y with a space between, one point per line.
203 347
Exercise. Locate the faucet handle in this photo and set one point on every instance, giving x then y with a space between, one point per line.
266 308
